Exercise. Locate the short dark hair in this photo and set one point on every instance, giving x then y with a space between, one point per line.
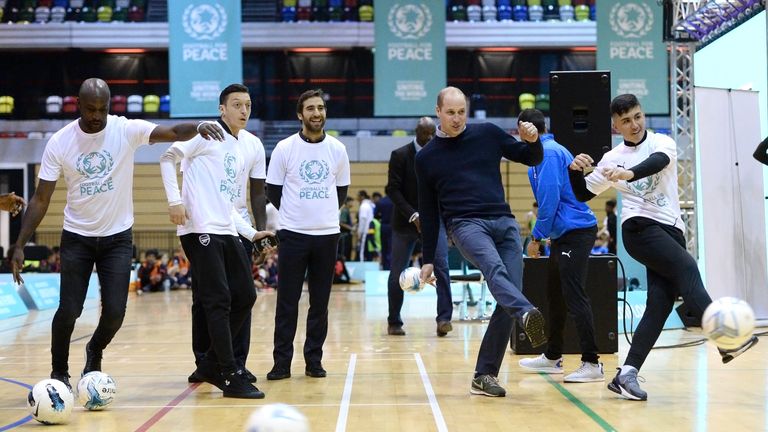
534 116
621 104
363 193
153 252
611 203
376 195
232 88
306 95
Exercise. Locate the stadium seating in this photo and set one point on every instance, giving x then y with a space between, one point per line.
151 104
118 104
6 105
54 104
135 103
69 105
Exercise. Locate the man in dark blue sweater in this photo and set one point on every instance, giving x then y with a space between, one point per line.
460 181
571 227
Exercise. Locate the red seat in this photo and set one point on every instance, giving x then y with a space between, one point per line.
70 104
118 104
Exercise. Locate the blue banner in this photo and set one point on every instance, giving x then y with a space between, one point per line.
205 54
409 56
41 290
10 303
630 45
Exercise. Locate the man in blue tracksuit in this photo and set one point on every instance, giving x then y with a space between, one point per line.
571 227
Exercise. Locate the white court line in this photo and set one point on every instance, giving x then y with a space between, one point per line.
341 423
439 420
249 406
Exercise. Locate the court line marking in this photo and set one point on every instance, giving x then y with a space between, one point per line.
167 408
579 404
436 413
341 422
249 406
20 421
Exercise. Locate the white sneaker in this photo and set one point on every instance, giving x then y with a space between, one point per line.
587 372
542 364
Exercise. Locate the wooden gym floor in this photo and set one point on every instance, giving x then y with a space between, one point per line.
375 382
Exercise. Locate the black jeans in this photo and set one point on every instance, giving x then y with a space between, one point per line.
201 341
568 263
112 257
315 257
223 285
671 271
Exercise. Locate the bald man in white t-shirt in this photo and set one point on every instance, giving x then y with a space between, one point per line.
95 156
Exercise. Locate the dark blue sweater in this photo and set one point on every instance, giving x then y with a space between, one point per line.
459 177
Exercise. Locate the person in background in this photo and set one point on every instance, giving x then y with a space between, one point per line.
364 218
571 227
402 187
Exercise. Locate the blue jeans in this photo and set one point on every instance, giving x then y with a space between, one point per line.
112 257
494 247
402 249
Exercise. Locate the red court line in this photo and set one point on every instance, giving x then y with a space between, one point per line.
166 409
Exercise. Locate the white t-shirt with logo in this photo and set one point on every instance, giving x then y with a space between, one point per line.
255 162
654 197
98 172
212 182
309 174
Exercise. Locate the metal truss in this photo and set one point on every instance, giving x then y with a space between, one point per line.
683 116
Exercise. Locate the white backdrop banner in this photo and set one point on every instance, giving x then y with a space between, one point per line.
733 241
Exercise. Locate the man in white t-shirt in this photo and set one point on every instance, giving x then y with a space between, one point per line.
210 216
644 169
235 110
95 155
364 218
307 182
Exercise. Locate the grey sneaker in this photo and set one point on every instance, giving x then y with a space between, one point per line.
587 372
728 355
542 364
533 322
487 385
627 386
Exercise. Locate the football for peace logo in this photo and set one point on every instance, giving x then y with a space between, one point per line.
95 165
204 21
314 171
229 185
631 20
409 21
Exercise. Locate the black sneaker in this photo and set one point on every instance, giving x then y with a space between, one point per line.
395 330
315 371
728 355
533 323
487 385
207 372
251 378
194 378
627 386
63 377
235 385
92 359
278 373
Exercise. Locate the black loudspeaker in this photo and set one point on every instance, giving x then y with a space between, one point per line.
688 319
602 289
580 111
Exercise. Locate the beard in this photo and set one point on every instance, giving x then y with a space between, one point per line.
309 127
